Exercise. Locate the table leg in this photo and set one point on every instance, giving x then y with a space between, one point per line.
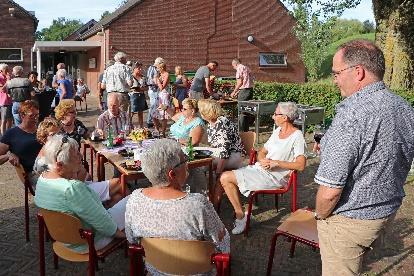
210 181
123 185
91 163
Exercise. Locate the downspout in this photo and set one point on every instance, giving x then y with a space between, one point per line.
215 30
104 46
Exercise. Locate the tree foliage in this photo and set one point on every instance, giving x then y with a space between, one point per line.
345 27
104 14
59 30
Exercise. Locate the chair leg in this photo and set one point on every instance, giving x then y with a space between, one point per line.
42 271
249 212
26 212
272 253
292 248
55 260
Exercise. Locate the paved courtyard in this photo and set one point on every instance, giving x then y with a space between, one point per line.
249 255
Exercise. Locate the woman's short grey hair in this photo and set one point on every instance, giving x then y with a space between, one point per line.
160 157
158 61
3 66
18 70
61 73
120 55
57 150
290 109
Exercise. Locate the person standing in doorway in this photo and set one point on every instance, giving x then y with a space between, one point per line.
365 158
243 90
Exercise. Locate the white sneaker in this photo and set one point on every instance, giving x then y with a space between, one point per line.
239 225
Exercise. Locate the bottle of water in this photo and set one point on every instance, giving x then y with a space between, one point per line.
110 137
190 149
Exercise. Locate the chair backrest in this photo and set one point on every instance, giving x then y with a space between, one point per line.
178 256
248 140
204 138
22 175
293 182
63 227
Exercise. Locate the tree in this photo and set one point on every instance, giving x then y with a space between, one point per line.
345 27
59 30
105 14
395 36
369 26
315 20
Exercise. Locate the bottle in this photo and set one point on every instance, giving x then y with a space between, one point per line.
190 149
110 137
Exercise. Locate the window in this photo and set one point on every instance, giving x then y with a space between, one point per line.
272 60
11 54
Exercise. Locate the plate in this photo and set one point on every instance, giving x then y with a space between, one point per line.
124 153
202 153
134 168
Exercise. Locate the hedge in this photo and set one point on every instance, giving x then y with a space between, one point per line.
315 94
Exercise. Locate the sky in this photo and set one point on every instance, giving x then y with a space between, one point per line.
85 10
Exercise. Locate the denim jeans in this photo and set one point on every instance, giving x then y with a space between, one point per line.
15 112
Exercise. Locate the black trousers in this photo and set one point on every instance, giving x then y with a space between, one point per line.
245 119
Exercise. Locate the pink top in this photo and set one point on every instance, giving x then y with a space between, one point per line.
5 98
244 73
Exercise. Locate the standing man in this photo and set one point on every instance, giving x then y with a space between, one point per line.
201 81
118 79
153 90
20 89
5 100
102 93
243 90
365 158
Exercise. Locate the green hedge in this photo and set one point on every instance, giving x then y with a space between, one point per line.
316 94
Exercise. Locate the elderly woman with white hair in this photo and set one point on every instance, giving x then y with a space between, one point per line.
169 212
65 88
284 151
59 190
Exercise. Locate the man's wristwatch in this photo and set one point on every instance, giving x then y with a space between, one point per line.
317 216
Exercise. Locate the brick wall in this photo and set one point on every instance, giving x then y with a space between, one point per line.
17 32
189 33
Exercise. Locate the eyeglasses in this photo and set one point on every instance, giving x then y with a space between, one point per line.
181 163
277 114
32 115
337 73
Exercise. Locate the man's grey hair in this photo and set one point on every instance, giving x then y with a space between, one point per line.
18 71
159 60
235 61
119 56
60 66
61 73
109 63
365 53
159 159
290 109
3 66
56 150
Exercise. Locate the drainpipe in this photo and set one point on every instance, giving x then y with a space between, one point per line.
104 46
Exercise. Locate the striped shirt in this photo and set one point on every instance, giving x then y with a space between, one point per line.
118 78
367 152
75 197
117 123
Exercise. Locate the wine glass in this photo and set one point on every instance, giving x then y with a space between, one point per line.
318 133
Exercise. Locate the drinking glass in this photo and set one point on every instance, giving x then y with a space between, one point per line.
318 133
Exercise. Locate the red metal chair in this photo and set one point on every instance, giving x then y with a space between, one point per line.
178 257
301 227
292 184
27 188
67 229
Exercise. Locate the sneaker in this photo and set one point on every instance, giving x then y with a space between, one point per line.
239 225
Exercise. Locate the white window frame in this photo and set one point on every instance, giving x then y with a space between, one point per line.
272 65
13 60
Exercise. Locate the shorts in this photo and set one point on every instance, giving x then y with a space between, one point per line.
101 188
6 112
138 102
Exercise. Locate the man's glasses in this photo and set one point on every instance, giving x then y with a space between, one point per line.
278 114
337 73
32 115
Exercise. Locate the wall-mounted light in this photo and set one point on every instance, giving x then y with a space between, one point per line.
250 38
11 11
62 51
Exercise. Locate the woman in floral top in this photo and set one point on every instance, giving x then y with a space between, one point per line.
223 135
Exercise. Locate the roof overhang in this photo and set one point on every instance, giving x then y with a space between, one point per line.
68 46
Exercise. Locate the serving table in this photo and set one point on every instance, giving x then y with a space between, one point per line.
103 155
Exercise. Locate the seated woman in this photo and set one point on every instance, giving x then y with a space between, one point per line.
59 190
109 191
65 113
284 151
187 123
223 135
18 145
169 212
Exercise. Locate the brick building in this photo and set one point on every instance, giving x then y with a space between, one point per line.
188 33
17 34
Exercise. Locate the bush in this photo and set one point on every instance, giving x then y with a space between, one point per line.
322 94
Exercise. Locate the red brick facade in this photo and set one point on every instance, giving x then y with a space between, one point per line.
17 31
190 33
